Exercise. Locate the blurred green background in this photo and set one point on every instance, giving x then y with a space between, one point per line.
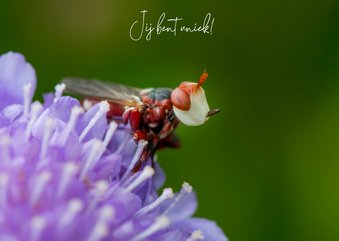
266 167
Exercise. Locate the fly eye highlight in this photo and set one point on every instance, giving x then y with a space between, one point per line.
181 99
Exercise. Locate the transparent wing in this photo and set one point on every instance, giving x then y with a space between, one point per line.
117 93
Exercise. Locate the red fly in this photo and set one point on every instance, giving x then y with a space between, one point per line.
152 113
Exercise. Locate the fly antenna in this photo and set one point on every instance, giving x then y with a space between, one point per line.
202 79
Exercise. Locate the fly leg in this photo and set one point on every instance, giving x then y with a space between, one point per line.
133 115
155 141
148 151
172 141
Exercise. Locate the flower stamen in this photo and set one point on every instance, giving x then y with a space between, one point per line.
166 194
39 185
4 178
109 133
59 89
145 174
106 213
38 223
70 169
87 104
5 148
49 125
74 206
99 192
196 235
161 222
75 112
94 155
122 145
27 98
140 148
103 108
186 188
35 109
100 229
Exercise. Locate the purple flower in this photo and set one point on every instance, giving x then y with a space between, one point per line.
66 174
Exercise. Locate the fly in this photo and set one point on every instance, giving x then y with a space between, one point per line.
153 113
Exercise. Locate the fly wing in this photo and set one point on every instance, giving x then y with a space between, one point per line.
117 93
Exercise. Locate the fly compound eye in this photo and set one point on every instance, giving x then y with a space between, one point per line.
181 99
198 110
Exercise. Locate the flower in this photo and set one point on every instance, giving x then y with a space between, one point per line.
66 173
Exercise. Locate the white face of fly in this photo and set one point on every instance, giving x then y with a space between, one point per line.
197 114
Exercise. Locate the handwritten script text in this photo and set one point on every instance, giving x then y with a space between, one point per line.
141 28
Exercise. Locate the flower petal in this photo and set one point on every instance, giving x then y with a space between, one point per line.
177 235
99 127
15 72
3 121
12 112
108 167
57 109
183 208
210 229
159 177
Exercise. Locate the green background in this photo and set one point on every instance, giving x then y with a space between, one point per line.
266 167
